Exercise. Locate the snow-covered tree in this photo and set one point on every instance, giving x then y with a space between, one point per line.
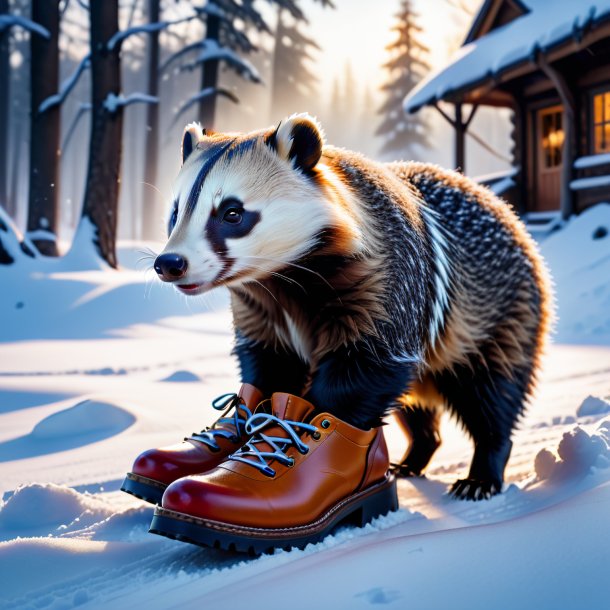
406 67
228 28
9 21
225 40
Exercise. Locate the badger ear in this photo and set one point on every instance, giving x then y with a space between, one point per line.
193 134
298 139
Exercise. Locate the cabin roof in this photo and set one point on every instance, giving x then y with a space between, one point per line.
497 56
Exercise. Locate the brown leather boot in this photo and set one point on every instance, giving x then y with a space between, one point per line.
155 469
299 476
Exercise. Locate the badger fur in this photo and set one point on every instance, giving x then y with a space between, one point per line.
365 286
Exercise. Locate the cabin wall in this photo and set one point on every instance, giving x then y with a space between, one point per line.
589 86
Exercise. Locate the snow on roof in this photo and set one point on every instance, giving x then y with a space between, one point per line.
543 28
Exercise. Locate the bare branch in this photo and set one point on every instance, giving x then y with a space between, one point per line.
66 87
83 108
11 21
148 28
207 92
113 102
183 51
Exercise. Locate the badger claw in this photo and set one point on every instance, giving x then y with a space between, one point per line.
473 489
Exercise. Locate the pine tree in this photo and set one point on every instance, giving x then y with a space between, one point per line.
406 67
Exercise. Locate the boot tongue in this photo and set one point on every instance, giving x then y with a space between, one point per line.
290 407
250 395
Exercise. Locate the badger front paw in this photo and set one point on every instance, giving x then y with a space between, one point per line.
475 489
405 470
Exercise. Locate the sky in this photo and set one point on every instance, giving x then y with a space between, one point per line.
358 31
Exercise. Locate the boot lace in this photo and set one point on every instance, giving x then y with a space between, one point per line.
225 403
279 444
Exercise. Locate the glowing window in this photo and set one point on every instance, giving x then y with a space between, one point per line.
552 137
601 122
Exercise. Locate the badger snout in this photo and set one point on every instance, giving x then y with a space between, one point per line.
170 267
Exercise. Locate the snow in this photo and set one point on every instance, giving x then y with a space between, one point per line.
146 28
212 50
113 102
592 161
207 92
98 365
10 21
182 376
593 405
517 42
591 182
582 276
503 185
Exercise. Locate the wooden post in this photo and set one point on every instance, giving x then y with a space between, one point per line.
460 132
566 202
461 127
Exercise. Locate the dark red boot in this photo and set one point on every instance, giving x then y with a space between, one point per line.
155 469
299 476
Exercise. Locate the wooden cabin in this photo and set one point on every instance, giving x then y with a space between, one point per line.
548 61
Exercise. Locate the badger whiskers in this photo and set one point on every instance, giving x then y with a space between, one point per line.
300 267
276 274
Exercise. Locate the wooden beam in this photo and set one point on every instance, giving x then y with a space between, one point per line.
569 110
444 115
461 128
470 116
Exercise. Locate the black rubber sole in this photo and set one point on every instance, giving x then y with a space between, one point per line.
358 509
144 488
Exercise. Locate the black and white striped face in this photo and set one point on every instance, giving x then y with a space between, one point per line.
246 206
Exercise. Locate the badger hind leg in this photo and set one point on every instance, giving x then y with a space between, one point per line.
488 396
419 419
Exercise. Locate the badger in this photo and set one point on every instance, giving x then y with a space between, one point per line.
365 287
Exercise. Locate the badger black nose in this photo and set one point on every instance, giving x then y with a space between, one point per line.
170 267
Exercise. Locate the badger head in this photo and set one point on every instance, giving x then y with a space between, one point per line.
249 205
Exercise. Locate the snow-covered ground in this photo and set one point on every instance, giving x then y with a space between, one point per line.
96 366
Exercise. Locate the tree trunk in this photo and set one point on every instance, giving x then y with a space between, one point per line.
103 174
209 76
150 202
44 129
277 87
5 76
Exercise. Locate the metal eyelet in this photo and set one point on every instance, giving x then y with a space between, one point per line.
316 436
325 423
290 464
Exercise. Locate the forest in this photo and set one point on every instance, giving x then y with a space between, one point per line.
94 95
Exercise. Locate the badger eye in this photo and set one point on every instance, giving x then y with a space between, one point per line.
173 219
233 216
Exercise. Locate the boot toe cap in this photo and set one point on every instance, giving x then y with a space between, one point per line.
170 463
211 496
